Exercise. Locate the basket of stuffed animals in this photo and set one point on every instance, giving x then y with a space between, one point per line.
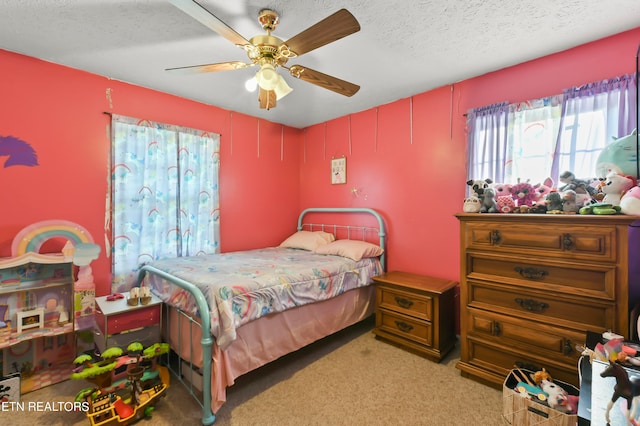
529 399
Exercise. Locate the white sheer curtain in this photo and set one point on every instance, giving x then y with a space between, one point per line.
164 195
532 136
593 116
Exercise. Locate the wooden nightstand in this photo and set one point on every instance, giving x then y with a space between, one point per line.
416 312
118 324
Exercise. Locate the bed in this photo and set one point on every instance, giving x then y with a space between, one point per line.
228 314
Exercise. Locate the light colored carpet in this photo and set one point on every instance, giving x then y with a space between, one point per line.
350 378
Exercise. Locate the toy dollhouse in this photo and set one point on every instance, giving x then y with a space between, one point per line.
39 310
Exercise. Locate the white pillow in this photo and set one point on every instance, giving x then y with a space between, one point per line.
308 240
353 249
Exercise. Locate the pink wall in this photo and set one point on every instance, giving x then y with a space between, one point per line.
59 112
415 176
418 182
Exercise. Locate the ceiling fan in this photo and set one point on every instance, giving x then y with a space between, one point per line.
270 52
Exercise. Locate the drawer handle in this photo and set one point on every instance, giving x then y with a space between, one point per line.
531 305
403 326
531 273
496 329
567 241
403 303
568 347
495 237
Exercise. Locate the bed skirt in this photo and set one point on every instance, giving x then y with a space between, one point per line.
268 338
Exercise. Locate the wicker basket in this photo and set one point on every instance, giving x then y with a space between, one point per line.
520 411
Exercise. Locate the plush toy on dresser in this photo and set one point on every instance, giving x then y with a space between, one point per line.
476 203
630 202
614 186
488 202
524 194
554 202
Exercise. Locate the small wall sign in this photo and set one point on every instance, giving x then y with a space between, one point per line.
338 170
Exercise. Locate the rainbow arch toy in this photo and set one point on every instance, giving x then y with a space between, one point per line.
31 238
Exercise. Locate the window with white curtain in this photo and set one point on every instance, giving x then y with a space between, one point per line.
164 195
543 138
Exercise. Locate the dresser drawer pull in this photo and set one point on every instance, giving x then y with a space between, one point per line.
531 305
496 329
403 326
531 273
495 237
403 303
567 241
568 347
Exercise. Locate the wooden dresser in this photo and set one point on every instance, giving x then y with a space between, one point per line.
532 285
416 312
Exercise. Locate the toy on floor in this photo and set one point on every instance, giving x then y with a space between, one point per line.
125 397
625 387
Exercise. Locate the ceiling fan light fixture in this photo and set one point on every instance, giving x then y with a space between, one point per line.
282 89
267 77
252 84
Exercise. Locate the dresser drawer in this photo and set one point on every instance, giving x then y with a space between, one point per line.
542 306
568 241
416 305
495 362
404 326
544 340
593 280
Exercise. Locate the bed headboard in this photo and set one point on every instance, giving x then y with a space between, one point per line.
349 229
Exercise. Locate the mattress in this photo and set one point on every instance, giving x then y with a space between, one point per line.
246 285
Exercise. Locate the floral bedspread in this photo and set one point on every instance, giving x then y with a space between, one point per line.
242 286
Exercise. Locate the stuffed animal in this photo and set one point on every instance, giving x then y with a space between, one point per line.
581 186
557 395
569 201
542 189
478 186
471 204
488 202
503 198
618 156
630 202
614 186
505 204
523 193
554 202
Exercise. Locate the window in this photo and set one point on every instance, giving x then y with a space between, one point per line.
164 195
543 138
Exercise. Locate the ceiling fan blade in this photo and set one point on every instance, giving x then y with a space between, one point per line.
207 19
221 66
323 80
267 99
334 27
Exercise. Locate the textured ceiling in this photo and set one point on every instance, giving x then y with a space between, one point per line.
403 48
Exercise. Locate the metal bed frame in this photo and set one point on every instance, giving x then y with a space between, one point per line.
206 341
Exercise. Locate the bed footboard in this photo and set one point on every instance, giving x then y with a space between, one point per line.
206 342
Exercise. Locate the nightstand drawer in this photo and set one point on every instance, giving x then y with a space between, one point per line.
125 321
404 326
420 306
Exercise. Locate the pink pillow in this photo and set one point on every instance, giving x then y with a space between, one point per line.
353 249
308 240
